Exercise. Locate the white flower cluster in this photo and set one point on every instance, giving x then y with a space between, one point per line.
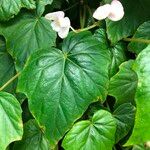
61 24
113 11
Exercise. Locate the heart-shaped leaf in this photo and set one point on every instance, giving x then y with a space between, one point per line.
97 134
11 128
61 84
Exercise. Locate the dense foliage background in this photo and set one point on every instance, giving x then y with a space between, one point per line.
90 91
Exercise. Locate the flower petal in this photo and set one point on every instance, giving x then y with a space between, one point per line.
102 12
64 22
117 11
63 32
55 26
55 15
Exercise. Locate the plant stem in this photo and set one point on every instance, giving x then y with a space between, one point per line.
87 28
9 81
137 40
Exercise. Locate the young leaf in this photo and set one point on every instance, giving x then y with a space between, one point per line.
117 52
124 116
33 138
143 32
136 12
32 34
141 131
9 8
123 84
11 128
7 67
61 84
99 133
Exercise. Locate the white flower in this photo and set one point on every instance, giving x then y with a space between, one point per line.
60 23
113 11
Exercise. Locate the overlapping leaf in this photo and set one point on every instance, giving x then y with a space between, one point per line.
143 32
124 116
11 128
33 138
117 52
141 131
32 34
9 8
61 84
136 12
7 67
97 134
123 84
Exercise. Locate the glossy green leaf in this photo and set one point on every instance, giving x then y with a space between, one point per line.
143 32
123 84
32 34
11 127
97 134
33 138
61 84
7 67
9 8
124 116
117 52
141 131
136 12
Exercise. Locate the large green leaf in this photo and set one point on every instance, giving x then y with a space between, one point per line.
97 134
136 12
124 116
123 84
117 52
11 127
7 67
33 138
61 84
141 131
32 34
143 32
9 8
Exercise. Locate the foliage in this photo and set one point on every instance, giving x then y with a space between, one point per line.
89 91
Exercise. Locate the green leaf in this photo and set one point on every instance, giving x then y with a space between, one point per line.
11 128
41 5
99 133
141 131
33 138
32 34
123 84
136 12
143 32
7 67
9 8
61 84
117 52
124 116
